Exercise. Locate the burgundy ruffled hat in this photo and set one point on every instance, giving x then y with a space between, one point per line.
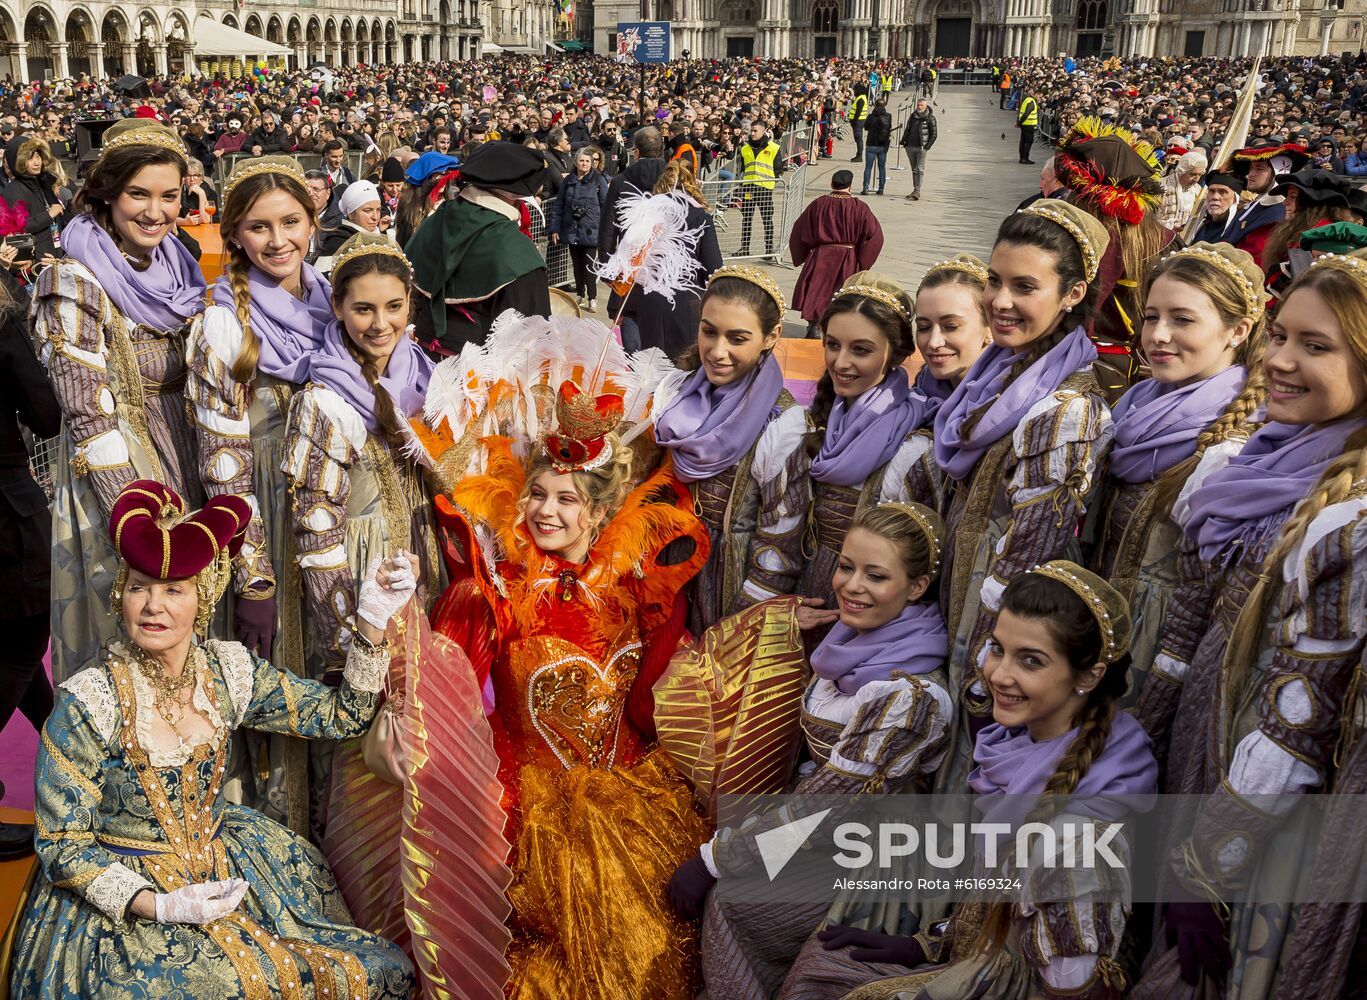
153 534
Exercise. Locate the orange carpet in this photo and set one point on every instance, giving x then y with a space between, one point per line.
13 874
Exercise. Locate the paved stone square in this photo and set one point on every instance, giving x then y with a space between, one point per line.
972 182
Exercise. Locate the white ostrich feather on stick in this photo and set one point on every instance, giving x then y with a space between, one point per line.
651 381
656 251
458 391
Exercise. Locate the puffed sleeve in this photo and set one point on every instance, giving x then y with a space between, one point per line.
1188 613
220 407
323 440
1057 449
72 754
785 493
1299 699
268 698
1073 918
70 314
912 475
897 730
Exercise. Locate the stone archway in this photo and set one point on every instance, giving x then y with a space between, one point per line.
80 44
1091 26
114 40
825 28
40 33
313 41
254 26
178 42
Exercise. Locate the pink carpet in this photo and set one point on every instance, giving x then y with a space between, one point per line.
18 750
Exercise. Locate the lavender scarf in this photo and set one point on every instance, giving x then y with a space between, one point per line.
708 428
288 329
1006 408
864 435
405 378
937 389
1012 770
1245 501
915 641
1157 424
163 296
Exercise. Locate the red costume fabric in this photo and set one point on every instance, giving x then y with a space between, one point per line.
835 236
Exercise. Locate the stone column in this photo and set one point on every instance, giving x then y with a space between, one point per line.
96 59
130 57
159 58
18 57
57 54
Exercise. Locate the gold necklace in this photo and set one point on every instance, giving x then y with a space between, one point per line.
172 695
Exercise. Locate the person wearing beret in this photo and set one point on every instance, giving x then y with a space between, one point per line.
109 322
472 258
1221 209
149 882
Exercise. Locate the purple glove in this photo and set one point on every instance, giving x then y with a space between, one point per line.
254 624
872 946
1201 939
688 888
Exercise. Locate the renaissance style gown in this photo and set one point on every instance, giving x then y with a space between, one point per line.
122 806
568 652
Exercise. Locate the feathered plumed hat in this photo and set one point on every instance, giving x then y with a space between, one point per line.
1108 167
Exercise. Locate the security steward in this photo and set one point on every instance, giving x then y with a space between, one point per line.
1027 119
760 161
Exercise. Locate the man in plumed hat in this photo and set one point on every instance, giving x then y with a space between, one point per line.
1259 167
472 258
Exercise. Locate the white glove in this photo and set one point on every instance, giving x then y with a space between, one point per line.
377 604
202 903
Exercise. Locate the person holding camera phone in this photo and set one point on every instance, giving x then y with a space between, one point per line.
35 187
575 219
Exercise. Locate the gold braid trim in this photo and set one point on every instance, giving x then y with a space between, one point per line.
920 516
1091 260
1255 298
878 295
255 169
363 248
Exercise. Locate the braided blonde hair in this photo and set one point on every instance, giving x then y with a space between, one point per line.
1346 296
239 202
1237 416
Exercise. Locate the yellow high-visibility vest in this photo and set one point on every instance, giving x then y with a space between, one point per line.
859 110
1029 112
759 170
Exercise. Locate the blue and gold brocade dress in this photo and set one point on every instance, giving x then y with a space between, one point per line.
118 812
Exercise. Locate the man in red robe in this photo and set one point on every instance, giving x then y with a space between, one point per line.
834 237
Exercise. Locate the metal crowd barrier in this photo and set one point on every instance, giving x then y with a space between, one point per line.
308 161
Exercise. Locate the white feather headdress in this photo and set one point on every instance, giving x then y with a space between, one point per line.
656 250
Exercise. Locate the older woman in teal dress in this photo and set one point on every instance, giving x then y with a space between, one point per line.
149 883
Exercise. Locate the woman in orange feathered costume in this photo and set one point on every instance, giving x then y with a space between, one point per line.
568 616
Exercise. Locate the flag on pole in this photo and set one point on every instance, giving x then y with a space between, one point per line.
1235 137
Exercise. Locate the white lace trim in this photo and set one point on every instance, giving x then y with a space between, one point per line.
365 669
113 888
239 674
157 755
92 689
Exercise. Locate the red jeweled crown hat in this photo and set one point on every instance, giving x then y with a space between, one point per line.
154 535
580 443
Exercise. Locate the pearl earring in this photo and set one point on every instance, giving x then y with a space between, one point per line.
1080 692
1069 309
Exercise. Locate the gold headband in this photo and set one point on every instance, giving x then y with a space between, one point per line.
291 169
145 137
1254 297
1091 262
965 263
756 277
1343 262
878 295
363 248
920 516
1115 634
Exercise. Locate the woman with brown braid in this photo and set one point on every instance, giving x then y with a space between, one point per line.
1271 689
1057 664
1204 334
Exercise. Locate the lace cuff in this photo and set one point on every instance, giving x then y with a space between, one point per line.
366 665
114 889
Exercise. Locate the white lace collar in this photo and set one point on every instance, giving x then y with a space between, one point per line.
161 756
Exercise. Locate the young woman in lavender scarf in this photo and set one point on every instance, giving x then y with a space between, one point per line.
1057 663
1019 440
109 323
249 354
1204 334
871 440
876 718
736 438
1257 685
357 493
